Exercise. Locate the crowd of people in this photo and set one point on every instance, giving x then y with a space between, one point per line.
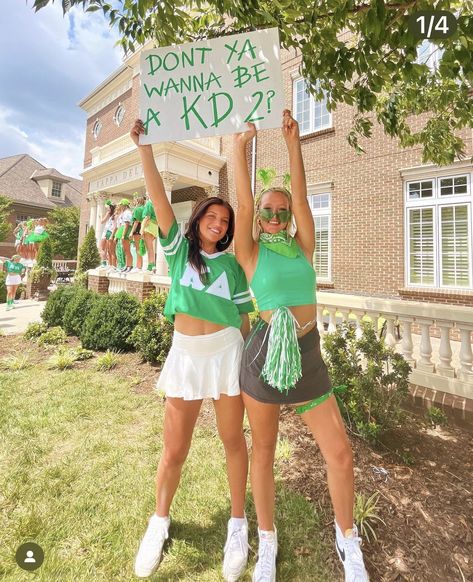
129 234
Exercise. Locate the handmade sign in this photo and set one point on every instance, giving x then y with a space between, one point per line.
211 87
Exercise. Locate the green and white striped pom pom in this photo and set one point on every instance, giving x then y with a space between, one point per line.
282 367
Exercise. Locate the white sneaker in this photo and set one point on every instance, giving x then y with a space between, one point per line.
235 552
349 552
151 547
265 570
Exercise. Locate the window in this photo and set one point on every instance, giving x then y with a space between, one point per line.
97 128
429 54
312 115
119 114
22 218
321 211
439 231
56 190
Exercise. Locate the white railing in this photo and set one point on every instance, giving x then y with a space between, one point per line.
116 283
438 363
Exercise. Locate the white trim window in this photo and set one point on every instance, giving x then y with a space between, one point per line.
320 205
311 115
56 190
439 232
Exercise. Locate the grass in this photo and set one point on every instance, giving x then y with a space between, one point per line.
78 454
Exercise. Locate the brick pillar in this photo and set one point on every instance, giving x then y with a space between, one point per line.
97 283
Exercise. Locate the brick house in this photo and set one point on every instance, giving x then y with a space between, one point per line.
35 190
392 233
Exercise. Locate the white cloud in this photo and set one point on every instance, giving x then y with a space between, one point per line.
48 63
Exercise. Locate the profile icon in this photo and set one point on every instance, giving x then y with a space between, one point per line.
29 556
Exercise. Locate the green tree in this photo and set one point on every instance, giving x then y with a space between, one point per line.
5 226
89 257
358 52
63 229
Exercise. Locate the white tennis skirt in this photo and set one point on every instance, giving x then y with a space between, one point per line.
12 280
203 366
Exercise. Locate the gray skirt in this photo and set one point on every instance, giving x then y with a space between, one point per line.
315 380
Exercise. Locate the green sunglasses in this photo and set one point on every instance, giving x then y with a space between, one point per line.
266 214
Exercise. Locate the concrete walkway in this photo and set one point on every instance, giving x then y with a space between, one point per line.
17 319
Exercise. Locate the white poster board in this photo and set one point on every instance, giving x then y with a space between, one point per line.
211 87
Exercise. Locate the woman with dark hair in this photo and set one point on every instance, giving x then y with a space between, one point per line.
282 361
208 302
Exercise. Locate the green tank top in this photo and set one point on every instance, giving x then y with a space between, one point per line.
282 281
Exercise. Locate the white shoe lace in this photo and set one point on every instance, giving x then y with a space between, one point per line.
266 561
237 542
355 559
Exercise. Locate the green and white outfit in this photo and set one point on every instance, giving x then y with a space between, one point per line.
14 272
148 211
109 227
204 366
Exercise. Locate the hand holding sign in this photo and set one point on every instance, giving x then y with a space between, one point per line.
241 139
211 87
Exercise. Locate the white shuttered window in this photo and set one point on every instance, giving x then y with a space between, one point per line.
321 211
311 115
439 231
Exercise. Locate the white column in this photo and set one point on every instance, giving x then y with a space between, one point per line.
320 319
161 265
390 340
445 367
359 318
407 346
465 372
425 361
92 210
332 319
99 215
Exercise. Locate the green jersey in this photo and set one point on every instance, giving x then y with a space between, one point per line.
148 210
14 268
221 300
138 213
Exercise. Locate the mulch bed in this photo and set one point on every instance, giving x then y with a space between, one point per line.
424 477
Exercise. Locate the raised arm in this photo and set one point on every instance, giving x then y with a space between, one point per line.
246 249
154 182
305 235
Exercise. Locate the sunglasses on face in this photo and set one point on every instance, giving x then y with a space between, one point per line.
266 214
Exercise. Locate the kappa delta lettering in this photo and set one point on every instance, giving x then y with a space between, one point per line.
221 300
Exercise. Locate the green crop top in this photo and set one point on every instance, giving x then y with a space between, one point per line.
282 281
221 300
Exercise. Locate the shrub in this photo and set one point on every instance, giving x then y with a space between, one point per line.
15 363
81 354
89 257
376 379
108 361
56 304
365 514
44 261
52 337
62 359
77 309
435 416
34 330
152 337
110 322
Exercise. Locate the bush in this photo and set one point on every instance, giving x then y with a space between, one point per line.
77 309
44 261
34 330
52 337
89 257
110 322
56 304
376 378
107 361
152 337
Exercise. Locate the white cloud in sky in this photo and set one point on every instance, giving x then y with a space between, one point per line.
47 65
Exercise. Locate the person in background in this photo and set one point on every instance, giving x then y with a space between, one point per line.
122 235
136 233
108 220
149 228
15 271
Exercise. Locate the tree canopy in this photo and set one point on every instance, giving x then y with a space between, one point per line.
64 231
357 52
5 226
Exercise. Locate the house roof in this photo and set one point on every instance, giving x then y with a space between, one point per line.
18 181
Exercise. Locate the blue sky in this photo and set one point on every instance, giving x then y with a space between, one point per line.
48 63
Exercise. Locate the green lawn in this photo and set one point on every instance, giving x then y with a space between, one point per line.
78 453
